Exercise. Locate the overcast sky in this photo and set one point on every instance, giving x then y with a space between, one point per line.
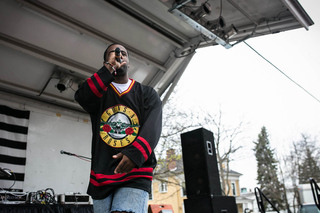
246 88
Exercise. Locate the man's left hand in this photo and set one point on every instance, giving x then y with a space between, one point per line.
125 165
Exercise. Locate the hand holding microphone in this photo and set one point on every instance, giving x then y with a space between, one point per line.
115 60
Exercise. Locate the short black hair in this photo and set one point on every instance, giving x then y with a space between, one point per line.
105 52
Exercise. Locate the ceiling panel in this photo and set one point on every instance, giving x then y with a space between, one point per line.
42 41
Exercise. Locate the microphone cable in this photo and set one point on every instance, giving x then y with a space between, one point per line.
282 72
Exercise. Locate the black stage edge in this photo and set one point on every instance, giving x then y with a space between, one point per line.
211 204
42 208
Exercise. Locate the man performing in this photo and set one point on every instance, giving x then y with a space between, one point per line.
126 119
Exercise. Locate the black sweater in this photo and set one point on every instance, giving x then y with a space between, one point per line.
129 122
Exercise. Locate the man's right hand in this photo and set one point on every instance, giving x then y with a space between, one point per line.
112 64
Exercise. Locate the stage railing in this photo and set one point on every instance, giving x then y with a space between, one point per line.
315 192
259 196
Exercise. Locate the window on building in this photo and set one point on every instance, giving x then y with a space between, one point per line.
163 187
244 190
233 188
151 194
183 189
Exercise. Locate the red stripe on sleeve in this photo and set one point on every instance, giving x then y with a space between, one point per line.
93 88
141 149
101 84
145 143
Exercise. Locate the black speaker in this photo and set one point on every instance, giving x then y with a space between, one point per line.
211 204
200 163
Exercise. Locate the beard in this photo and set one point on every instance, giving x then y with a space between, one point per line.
122 70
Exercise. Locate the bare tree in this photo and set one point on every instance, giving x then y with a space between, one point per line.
226 139
299 170
283 182
291 163
177 120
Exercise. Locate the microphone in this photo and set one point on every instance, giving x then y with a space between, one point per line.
117 52
75 155
65 153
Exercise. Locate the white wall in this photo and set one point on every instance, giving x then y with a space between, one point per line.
52 129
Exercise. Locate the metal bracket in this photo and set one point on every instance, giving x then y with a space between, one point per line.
198 27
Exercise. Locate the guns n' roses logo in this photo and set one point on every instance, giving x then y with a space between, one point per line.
119 126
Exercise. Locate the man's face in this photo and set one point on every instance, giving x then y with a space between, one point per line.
123 56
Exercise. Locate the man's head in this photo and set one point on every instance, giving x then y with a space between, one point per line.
111 48
110 52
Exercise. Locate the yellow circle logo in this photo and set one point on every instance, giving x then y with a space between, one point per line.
119 126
